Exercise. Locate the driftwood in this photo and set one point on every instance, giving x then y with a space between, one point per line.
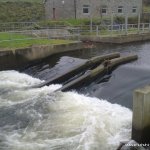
78 69
100 70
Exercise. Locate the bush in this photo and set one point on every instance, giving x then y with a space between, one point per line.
133 20
119 20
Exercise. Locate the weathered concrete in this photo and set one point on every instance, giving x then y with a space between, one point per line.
98 71
117 39
39 52
78 69
141 115
12 59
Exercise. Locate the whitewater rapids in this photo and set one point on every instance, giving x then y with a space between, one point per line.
40 119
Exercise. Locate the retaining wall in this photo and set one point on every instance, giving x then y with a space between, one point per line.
12 59
118 39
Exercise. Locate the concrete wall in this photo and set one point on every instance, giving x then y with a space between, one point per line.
117 39
141 115
21 57
66 8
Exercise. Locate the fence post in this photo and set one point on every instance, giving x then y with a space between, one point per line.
139 20
126 24
96 30
122 27
143 27
91 24
141 115
112 22
11 38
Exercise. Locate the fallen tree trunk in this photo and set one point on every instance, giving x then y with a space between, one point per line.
74 71
100 70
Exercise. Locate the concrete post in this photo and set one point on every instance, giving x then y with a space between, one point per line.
141 116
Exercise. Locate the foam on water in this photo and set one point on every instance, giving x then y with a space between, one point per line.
16 79
46 120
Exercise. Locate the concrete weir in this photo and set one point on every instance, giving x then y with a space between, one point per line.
98 71
12 59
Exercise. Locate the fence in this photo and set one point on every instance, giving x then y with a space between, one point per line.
114 30
12 26
19 32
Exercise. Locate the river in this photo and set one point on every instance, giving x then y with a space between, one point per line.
95 117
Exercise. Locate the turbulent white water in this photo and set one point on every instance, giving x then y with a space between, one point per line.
40 119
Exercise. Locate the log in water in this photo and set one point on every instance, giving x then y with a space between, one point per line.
100 70
82 67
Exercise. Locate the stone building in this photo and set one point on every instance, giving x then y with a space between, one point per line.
57 9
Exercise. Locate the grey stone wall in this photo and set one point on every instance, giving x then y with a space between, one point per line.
66 8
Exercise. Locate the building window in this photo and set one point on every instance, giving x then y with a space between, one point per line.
134 8
86 9
120 9
104 9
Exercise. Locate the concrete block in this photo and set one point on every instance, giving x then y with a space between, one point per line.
141 115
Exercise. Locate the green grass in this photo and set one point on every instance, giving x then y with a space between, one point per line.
77 22
64 22
31 1
21 11
11 36
146 9
12 41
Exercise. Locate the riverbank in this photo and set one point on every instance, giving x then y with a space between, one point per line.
12 41
12 59
119 39
19 56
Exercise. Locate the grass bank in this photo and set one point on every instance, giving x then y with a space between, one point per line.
13 41
21 11
31 1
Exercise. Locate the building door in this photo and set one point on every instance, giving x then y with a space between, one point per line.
54 13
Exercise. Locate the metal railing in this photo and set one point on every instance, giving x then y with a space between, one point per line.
27 31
